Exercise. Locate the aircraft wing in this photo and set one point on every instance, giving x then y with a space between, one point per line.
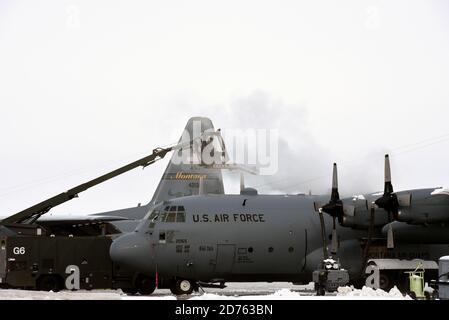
116 221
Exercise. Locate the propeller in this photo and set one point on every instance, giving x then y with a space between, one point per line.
389 202
334 208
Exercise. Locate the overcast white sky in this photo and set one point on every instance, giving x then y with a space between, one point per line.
86 86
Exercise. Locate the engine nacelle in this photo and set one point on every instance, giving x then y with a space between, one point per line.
357 213
403 232
421 206
427 206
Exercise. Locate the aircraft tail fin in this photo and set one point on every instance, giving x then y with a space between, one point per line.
184 172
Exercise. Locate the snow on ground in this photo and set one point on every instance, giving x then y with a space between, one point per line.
234 291
344 293
12 294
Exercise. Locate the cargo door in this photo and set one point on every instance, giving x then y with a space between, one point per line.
225 258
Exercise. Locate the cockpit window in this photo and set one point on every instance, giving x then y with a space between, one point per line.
171 217
169 214
181 215
154 215
163 216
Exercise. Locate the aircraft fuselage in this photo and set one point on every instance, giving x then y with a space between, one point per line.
248 238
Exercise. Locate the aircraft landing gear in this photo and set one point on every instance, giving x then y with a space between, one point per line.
145 285
182 286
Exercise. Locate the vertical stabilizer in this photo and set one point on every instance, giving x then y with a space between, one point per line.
184 171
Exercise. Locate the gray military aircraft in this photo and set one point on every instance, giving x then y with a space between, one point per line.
209 239
191 234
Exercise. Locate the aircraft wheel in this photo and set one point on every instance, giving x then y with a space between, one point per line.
145 285
182 286
385 281
49 283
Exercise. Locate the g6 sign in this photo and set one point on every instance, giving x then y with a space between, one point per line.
18 250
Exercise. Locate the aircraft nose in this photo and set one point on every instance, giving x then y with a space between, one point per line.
132 251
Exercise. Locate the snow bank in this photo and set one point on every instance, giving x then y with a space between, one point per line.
344 293
368 293
283 294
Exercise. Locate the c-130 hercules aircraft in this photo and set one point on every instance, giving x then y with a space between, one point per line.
209 239
191 234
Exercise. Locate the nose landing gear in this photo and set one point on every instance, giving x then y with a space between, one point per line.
182 286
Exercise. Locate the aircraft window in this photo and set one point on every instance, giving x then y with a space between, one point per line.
250 249
170 236
162 237
181 208
171 217
290 249
154 215
181 217
270 249
162 216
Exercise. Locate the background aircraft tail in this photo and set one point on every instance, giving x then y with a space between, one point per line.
182 178
179 179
